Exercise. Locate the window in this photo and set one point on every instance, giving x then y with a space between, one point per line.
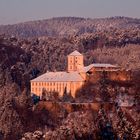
32 84
71 59
32 89
57 87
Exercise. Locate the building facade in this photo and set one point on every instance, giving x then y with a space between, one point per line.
75 76
70 80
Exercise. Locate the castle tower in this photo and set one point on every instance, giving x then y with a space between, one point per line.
75 61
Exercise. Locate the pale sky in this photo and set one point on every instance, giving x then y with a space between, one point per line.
14 11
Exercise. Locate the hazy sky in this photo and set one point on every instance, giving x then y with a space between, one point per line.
13 11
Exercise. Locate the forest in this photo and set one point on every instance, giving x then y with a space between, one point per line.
23 58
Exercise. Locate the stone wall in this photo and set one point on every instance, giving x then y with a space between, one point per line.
115 75
71 107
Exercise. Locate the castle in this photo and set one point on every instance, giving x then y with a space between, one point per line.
75 77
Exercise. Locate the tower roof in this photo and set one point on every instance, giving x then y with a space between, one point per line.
75 53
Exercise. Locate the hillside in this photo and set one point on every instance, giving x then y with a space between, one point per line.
43 46
24 59
65 26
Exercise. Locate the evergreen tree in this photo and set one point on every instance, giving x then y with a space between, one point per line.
103 87
67 97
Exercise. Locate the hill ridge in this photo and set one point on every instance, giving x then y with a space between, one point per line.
65 26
